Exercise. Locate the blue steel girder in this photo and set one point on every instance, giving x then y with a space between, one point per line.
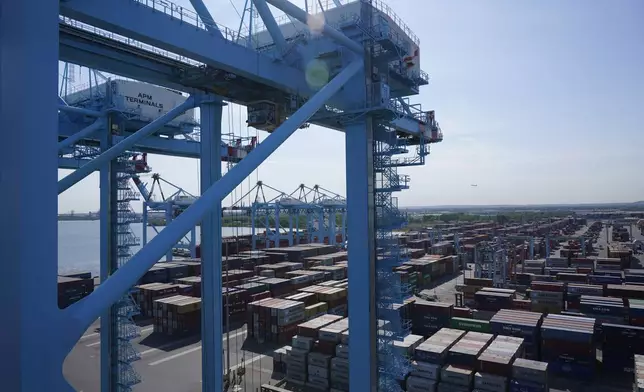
157 27
78 46
151 145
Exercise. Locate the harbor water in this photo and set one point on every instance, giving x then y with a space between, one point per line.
79 243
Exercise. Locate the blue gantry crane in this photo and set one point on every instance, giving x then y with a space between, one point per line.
353 70
317 207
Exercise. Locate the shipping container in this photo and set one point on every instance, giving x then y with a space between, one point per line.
333 332
527 386
639 373
521 324
457 376
145 101
71 290
497 358
485 382
436 348
466 324
620 344
426 370
148 293
466 351
420 384
79 275
568 345
274 320
429 317
312 327
529 370
177 316
625 291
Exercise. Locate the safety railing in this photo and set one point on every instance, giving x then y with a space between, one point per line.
127 41
282 19
324 5
188 16
383 7
76 88
173 10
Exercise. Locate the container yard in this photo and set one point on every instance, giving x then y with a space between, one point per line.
554 327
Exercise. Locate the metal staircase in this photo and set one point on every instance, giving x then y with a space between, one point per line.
125 309
391 293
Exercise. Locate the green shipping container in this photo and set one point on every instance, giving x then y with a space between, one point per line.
465 324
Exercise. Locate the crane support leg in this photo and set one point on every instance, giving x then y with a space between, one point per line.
299 14
108 324
360 209
123 146
211 326
87 310
29 63
85 132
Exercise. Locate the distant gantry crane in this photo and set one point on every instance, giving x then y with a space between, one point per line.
557 238
352 71
491 262
317 208
170 207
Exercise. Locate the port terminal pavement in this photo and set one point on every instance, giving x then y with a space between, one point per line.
171 364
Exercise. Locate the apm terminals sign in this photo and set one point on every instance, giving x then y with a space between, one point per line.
143 99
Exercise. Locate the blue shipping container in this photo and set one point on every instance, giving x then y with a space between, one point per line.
563 333
634 278
636 311
597 279
572 369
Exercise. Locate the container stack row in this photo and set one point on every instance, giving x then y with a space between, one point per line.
454 360
638 385
547 297
73 288
620 345
568 345
520 324
177 316
274 320
318 355
529 376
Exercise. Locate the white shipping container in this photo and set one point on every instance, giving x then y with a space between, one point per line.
148 101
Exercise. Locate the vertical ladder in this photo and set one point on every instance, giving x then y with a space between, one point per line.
391 293
125 308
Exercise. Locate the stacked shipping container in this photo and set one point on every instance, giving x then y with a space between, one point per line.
568 345
72 289
521 324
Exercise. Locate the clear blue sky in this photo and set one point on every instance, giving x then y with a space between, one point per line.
538 101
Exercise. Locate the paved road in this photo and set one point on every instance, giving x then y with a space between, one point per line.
170 365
